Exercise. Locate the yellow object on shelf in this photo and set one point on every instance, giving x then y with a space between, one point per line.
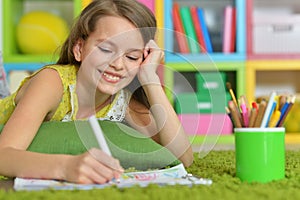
34 36
292 123
85 3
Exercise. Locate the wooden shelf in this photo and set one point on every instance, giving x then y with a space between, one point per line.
256 66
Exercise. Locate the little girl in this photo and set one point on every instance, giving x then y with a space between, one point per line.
111 43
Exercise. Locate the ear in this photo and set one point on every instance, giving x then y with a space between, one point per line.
77 50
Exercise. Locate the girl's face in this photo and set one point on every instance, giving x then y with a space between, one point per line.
111 56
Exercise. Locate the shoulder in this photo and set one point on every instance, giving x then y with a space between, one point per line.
46 81
66 72
63 69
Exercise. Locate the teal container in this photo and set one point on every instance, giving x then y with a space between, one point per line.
260 154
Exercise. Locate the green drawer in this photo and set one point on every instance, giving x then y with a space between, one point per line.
201 103
211 82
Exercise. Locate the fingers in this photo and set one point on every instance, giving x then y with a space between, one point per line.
88 175
105 165
153 54
151 46
107 160
94 166
96 172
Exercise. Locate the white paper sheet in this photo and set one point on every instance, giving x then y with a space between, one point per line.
170 176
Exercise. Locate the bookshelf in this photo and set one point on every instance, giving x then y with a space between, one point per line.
273 59
188 64
276 55
267 55
233 62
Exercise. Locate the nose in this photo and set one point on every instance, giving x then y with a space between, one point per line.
117 62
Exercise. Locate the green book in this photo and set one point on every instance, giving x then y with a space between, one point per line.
189 29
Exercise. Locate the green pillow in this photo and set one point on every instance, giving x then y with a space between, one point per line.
126 144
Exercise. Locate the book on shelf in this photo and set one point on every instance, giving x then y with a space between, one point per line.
189 29
229 30
198 28
208 43
179 30
149 3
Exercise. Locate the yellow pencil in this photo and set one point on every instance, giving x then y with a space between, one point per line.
274 118
228 85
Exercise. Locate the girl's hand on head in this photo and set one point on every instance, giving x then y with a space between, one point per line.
92 167
153 57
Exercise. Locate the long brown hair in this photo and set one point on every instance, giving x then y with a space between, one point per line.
137 13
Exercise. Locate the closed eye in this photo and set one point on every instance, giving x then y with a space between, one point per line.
133 58
105 50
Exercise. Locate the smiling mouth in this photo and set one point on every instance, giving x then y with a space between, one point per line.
111 77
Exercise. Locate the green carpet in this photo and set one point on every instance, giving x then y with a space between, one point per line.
217 165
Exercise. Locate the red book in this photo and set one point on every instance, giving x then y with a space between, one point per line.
198 28
233 31
178 28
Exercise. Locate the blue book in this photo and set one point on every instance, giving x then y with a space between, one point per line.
206 35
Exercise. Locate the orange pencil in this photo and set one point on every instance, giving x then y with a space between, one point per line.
255 106
261 112
282 100
234 115
253 115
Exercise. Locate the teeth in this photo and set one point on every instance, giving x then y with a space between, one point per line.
111 77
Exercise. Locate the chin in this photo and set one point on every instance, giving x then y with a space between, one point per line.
109 90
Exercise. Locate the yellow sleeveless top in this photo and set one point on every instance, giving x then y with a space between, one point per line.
68 107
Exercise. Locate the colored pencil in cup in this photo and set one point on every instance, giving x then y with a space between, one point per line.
260 114
228 85
253 115
234 115
280 123
244 109
274 118
269 110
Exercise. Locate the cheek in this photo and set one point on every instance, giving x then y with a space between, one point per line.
94 58
132 71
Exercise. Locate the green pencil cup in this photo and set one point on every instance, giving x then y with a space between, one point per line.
260 154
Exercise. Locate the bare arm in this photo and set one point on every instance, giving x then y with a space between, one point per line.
37 101
162 122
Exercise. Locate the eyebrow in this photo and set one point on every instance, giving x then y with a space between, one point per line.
133 50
